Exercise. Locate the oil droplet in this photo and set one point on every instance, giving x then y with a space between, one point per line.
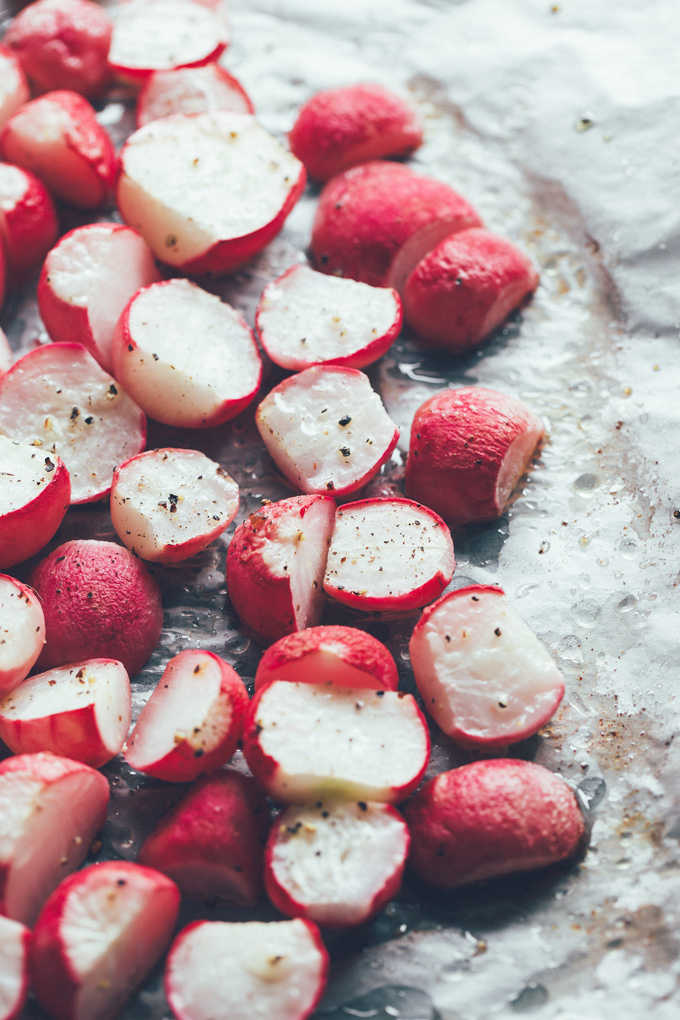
628 547
530 998
569 648
586 483
627 603
586 612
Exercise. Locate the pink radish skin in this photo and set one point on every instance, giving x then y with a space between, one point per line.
28 223
22 631
491 818
469 448
15 946
35 492
190 90
14 91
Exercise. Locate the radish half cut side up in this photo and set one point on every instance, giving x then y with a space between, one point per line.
28 223
15 945
35 493
90 422
190 90
22 631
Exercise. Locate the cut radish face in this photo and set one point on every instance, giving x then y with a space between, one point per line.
15 944
186 357
58 399
35 492
50 810
81 710
28 223
305 318
326 429
14 91
313 740
22 631
98 936
388 554
252 971
192 722
190 90
209 191
336 863
275 565
88 279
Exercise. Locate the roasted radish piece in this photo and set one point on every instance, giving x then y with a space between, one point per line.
469 449
337 863
22 631
98 936
14 90
484 676
190 90
28 223
50 810
333 655
388 555
491 818
228 971
88 279
275 566
35 492
304 741
192 722
306 318
178 181
15 944
58 400
186 357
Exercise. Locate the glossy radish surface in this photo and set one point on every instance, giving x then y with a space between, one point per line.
15 944
22 631
35 493
28 223
14 91
190 90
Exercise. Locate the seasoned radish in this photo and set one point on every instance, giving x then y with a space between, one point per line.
51 808
341 127
337 863
333 655
304 741
81 710
190 90
491 818
100 602
326 429
212 842
469 448
192 722
484 676
388 554
22 631
98 936
35 492
275 566
306 318
28 223
209 191
15 945
58 399
167 505
375 222
252 971
186 357
88 279
59 138
14 91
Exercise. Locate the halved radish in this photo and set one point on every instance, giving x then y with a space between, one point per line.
28 223
190 90
15 944
88 279
304 741
192 722
58 399
306 318
22 631
35 492
98 936
326 429
388 554
275 565
186 357
207 191
336 863
14 91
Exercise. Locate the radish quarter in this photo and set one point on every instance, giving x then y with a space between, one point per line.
35 493
22 631
28 223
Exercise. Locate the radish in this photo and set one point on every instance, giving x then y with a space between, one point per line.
22 631
6 354
35 492
208 191
15 944
186 357
336 863
492 818
334 655
388 554
306 318
375 222
304 741
88 279
275 566
14 91
100 602
192 722
81 710
469 448
28 223
254 971
341 127
212 842
326 429
485 678
167 505
50 810
58 399
190 90
98 936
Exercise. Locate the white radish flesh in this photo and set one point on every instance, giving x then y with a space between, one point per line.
14 90
14 954
190 90
6 354
22 631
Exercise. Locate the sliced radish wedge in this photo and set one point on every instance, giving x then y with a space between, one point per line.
14 91
35 492
190 90
22 631
28 223
15 944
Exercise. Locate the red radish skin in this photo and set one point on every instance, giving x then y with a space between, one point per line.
190 90
15 946
35 493
469 448
28 223
14 91
22 631
492 818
